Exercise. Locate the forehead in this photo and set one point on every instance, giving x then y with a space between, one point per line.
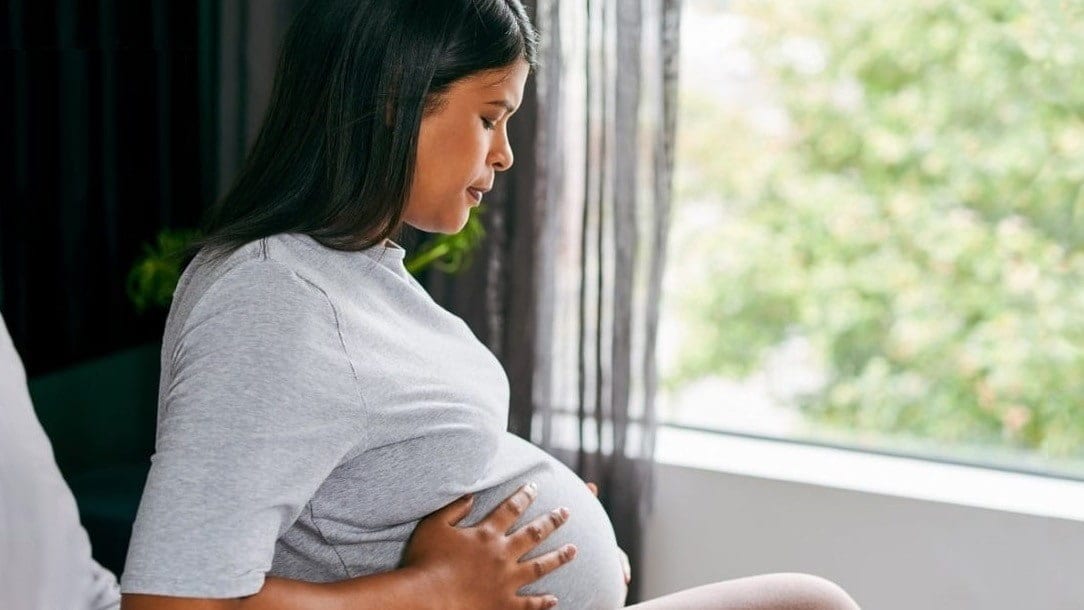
503 83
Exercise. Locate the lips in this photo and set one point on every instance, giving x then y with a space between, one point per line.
475 193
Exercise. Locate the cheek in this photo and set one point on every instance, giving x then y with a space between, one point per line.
451 154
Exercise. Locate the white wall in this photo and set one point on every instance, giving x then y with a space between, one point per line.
889 553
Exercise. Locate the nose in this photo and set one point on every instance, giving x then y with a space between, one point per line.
501 156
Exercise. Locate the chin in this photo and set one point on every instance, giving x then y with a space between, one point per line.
436 227
457 224
446 224
443 230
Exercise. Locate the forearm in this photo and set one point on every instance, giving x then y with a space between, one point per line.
405 588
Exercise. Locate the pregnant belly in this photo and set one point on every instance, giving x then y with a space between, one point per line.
594 579
348 531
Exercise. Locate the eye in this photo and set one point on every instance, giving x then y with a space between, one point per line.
487 123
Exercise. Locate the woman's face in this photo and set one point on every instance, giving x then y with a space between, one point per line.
461 146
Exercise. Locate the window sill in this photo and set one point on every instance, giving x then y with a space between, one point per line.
895 476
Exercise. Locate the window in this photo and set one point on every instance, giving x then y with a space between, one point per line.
878 228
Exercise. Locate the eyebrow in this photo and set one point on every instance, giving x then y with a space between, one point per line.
504 104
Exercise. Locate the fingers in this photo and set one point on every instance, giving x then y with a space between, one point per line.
532 534
506 513
540 602
455 511
593 488
533 569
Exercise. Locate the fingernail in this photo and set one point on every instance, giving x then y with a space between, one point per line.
533 487
551 602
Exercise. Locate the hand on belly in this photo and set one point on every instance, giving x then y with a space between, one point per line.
595 580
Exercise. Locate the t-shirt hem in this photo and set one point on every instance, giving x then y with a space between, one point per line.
211 589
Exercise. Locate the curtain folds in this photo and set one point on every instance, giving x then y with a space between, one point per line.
125 118
101 101
566 289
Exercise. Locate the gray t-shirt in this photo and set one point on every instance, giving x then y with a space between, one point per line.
45 561
314 405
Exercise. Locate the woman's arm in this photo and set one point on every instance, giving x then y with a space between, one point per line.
445 567
404 588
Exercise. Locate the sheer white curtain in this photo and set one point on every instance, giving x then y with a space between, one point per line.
607 108
565 289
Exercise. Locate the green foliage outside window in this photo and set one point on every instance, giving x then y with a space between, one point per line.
920 221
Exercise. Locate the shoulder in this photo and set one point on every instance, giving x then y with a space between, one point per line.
257 317
261 274
255 292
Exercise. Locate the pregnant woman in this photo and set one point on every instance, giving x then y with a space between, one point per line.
315 403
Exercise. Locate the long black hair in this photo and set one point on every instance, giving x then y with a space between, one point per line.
334 157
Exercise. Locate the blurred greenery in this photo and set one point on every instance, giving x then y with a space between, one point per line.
449 253
154 276
919 219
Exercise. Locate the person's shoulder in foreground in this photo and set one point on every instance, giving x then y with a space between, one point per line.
45 560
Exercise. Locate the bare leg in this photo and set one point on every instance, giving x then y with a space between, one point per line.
780 591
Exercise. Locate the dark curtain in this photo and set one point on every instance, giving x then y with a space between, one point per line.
247 41
120 119
102 116
566 288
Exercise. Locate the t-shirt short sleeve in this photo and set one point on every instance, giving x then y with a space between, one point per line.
262 404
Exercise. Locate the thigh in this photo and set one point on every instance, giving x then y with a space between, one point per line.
781 591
